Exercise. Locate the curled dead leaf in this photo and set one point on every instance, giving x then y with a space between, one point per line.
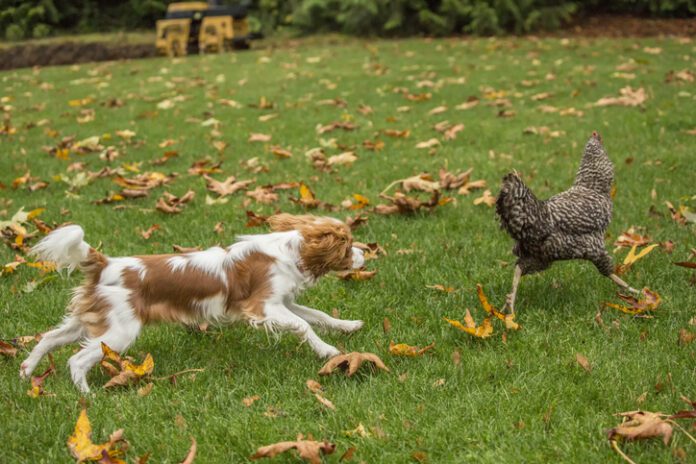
639 425
309 450
351 362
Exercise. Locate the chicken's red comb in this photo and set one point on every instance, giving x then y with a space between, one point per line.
596 135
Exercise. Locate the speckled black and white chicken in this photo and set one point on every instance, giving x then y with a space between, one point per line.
569 225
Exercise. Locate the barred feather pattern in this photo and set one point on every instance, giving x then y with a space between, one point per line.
569 225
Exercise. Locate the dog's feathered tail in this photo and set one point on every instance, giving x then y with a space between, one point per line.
66 247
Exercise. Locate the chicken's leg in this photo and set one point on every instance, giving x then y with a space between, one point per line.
620 282
510 300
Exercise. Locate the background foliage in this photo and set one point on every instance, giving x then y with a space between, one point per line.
20 19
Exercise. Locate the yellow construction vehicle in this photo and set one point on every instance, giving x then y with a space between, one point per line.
202 27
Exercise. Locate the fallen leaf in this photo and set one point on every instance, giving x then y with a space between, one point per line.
249 400
632 257
357 275
649 302
583 362
172 204
324 401
641 425
253 137
351 362
191 455
686 336
309 450
486 199
227 187
82 448
7 350
629 97
430 143
440 288
402 349
145 390
314 386
508 319
124 372
485 330
146 234
263 195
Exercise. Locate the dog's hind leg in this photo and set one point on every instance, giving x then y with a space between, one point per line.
70 331
321 319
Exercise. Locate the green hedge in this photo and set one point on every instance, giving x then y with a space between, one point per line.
25 19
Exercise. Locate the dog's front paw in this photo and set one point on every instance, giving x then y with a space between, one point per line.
351 326
328 352
25 371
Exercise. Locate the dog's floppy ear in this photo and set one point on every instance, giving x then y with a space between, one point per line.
283 222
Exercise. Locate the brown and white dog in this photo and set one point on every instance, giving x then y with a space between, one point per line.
256 280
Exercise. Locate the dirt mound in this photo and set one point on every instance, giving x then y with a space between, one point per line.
51 54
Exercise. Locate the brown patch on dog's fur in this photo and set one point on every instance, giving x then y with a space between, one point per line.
327 242
172 296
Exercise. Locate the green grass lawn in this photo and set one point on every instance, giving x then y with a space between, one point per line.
522 400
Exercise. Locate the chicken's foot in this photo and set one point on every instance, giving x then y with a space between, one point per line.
620 282
510 299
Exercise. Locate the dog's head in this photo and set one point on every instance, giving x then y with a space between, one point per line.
327 243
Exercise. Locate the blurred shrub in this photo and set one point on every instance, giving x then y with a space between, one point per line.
21 19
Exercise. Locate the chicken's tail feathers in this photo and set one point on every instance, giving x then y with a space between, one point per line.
519 211
66 248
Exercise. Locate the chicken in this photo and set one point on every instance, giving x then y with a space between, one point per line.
569 225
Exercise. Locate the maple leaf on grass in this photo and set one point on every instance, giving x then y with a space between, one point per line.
255 220
309 450
82 448
649 301
628 97
226 187
351 362
484 330
402 349
639 425
125 372
172 204
308 199
632 257
508 319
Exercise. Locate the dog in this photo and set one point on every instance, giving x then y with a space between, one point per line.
255 280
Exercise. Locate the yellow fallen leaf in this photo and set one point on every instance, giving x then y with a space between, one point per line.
81 446
402 349
632 257
485 330
509 319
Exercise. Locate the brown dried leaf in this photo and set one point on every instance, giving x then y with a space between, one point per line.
351 362
356 274
191 455
314 386
227 187
629 97
249 400
402 349
309 450
7 350
583 362
641 425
